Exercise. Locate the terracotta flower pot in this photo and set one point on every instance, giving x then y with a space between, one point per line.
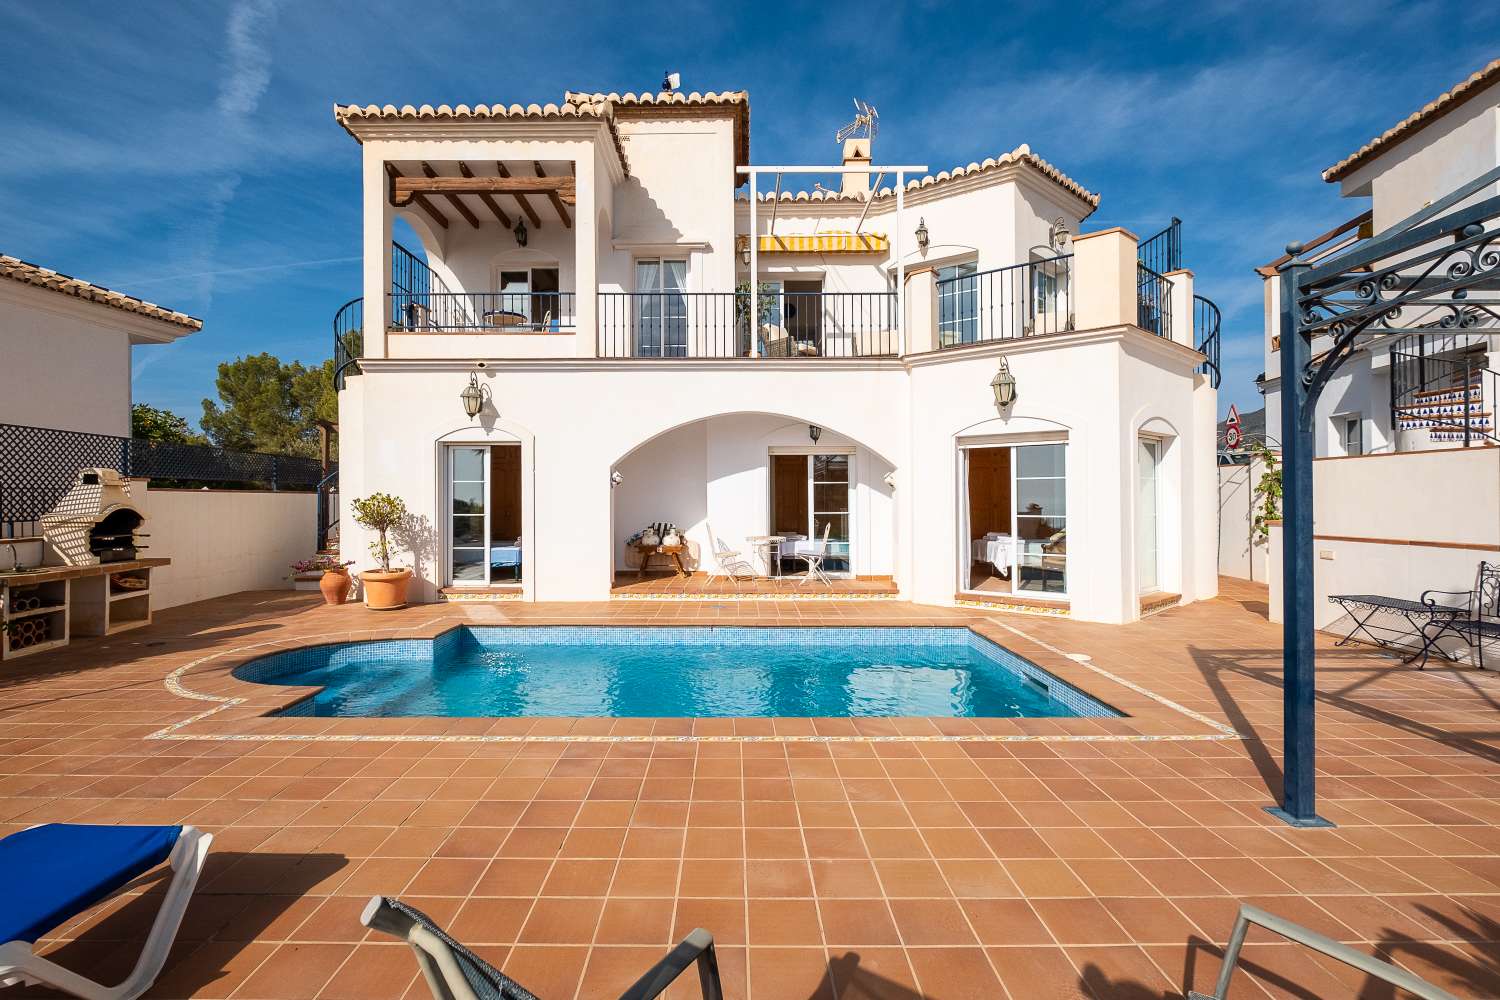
335 586
384 591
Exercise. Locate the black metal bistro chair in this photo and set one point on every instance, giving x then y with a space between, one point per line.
1482 621
453 972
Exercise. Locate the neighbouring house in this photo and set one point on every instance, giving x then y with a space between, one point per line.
1406 392
940 373
1406 479
66 345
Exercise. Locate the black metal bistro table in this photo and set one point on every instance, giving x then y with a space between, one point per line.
1419 616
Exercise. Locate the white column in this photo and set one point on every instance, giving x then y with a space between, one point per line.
586 255
1104 279
1182 307
900 260
754 268
378 215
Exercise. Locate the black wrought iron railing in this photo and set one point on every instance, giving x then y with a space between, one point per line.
1162 253
1153 301
410 275
38 465
717 325
1446 399
328 509
1206 323
348 340
491 312
1023 300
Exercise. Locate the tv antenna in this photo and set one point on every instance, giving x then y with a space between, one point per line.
865 125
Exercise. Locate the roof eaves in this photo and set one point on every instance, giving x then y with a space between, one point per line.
1449 100
28 273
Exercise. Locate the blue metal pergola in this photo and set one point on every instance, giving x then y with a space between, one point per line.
1432 273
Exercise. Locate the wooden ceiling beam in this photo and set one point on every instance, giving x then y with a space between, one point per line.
536 220
562 210
406 189
419 200
486 197
453 199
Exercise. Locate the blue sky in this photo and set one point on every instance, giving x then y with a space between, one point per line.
187 153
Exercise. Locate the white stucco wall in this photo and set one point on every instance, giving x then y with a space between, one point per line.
1371 535
65 362
1240 555
225 541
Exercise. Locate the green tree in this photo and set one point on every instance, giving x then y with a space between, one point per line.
265 405
152 424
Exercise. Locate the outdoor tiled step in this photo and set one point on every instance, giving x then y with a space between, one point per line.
1455 391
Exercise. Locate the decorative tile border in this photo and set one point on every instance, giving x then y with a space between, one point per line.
441 627
730 598
990 607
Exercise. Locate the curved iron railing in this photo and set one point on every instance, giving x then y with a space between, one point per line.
1206 323
348 340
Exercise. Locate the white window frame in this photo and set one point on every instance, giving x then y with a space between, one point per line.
965 539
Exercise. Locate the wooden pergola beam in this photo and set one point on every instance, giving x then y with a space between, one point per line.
406 189
453 200
536 220
421 201
486 197
562 210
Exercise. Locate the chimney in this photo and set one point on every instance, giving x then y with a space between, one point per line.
856 154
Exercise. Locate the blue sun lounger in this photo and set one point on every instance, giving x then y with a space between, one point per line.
53 873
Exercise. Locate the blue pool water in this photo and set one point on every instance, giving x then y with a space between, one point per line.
675 672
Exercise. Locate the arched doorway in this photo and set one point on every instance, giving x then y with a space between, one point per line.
727 483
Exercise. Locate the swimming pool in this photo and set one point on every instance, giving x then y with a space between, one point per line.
675 672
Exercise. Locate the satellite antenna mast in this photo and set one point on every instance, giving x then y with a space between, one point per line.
866 123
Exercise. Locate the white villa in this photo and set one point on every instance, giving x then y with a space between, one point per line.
589 266
1401 393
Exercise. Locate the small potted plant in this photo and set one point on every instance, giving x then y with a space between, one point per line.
334 581
385 588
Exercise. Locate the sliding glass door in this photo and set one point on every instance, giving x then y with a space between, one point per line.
810 495
1015 538
661 308
830 509
484 515
1147 530
469 489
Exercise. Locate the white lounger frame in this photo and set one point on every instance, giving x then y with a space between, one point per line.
19 964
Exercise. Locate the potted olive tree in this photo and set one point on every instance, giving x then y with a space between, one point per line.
382 513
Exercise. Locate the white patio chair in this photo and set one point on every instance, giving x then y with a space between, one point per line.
727 562
814 557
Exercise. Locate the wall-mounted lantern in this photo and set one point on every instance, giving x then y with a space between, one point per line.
520 232
1004 387
615 479
814 432
923 236
473 396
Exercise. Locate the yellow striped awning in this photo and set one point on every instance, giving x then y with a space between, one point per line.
820 243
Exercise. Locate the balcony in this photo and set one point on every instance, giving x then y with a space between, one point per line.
1006 303
675 324
482 312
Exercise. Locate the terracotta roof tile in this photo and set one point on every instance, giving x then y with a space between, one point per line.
1020 155
350 115
34 274
674 102
1407 127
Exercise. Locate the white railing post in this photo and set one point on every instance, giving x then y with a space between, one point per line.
1181 293
754 269
900 262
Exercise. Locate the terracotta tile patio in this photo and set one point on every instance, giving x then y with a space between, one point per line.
830 858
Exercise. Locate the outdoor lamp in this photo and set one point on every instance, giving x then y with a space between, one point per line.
1004 386
520 232
814 432
923 237
473 396
615 479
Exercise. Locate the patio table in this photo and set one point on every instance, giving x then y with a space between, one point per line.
765 546
1418 616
